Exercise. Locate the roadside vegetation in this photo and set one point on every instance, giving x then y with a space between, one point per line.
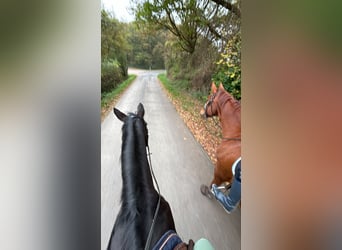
202 44
124 45
197 42
108 99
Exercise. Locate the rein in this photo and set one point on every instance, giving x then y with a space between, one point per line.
149 237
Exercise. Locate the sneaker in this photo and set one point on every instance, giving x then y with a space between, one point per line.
206 191
225 209
214 189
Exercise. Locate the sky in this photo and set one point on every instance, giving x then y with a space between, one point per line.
119 7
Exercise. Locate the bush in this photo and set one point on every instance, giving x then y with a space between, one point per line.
196 68
111 75
229 70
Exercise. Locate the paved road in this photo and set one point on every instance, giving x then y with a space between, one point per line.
180 165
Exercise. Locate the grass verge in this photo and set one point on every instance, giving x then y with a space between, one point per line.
108 99
178 90
170 87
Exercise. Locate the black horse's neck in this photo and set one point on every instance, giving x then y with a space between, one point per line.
139 199
136 175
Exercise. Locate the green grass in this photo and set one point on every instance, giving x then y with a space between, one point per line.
172 88
180 87
107 97
200 95
179 90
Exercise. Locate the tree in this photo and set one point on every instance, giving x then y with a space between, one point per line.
189 19
235 8
147 47
179 17
114 49
201 31
114 44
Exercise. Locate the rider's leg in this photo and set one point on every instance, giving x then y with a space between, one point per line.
230 201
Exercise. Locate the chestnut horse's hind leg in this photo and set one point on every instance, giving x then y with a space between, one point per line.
220 175
217 180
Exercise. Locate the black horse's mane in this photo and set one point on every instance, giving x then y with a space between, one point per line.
138 197
135 170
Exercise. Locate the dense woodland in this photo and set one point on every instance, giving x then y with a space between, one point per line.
195 41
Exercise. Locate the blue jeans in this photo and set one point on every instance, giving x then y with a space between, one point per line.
230 201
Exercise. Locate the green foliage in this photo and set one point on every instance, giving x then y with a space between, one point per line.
171 87
188 20
175 59
198 31
179 17
113 39
196 68
229 67
107 97
147 47
114 49
111 75
176 89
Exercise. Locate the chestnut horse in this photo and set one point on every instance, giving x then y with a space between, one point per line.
145 220
222 104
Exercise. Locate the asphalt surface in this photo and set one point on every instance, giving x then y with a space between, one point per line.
180 165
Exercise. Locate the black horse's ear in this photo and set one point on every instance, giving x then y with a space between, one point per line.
141 110
121 116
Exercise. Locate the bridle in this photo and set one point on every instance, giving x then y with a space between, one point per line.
209 103
212 97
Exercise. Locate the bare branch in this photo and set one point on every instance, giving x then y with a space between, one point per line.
229 6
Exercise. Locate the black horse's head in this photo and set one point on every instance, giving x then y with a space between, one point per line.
131 118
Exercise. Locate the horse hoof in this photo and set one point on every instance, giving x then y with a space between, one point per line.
206 192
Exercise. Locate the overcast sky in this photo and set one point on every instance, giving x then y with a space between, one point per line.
119 8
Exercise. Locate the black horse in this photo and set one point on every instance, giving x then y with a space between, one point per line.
139 199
